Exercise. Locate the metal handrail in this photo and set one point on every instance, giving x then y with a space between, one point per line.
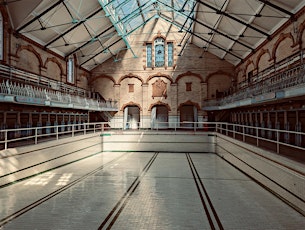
37 133
261 135
289 78
12 73
9 88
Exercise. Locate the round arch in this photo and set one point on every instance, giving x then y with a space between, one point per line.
29 59
259 56
188 112
281 38
159 115
55 60
130 75
188 73
131 103
220 72
159 103
157 75
132 117
92 79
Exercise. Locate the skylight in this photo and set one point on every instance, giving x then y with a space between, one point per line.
128 15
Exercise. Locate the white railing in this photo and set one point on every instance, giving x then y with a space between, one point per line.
33 135
47 97
276 137
257 135
12 73
289 78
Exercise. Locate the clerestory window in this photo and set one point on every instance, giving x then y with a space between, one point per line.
70 70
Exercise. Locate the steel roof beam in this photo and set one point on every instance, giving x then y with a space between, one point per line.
135 12
120 5
39 15
116 42
189 16
211 28
203 39
234 18
74 27
90 41
105 48
113 20
186 39
185 2
141 10
277 7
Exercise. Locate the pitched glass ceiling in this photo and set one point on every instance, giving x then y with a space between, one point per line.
129 15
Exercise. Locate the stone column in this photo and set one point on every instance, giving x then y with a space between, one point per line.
173 117
145 116
117 121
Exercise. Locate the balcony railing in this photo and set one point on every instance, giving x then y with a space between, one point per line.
11 73
289 78
29 94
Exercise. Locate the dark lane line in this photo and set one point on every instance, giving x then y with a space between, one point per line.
39 149
55 158
56 192
120 205
204 196
265 176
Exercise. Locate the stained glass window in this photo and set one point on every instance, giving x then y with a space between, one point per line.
170 54
149 55
159 52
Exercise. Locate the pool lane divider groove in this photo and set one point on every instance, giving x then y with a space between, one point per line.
120 205
204 196
43 162
56 192
264 175
47 147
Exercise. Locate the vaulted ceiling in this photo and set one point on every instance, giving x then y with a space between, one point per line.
96 30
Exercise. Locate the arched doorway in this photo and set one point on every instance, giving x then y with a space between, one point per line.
131 117
188 115
159 117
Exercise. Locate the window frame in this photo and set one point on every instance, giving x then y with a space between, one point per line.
149 55
188 86
71 70
159 46
130 88
170 55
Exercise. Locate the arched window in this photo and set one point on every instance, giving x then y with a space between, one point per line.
1 37
70 70
159 52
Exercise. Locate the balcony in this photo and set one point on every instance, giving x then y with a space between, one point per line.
24 88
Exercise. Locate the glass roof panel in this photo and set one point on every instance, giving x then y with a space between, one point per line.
130 14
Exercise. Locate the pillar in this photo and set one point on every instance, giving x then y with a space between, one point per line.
145 116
